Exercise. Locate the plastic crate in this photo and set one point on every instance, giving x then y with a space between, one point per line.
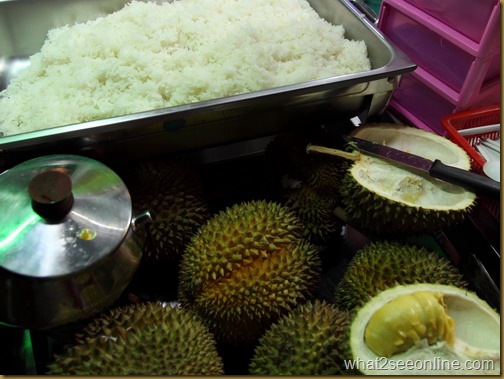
473 18
423 100
442 51
468 119
421 104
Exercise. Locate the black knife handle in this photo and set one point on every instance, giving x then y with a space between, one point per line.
467 179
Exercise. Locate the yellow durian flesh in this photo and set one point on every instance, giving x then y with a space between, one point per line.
476 339
406 320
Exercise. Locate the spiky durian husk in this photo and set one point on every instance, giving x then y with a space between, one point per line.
317 212
326 177
383 264
307 341
247 266
316 200
173 192
378 216
177 217
149 177
142 339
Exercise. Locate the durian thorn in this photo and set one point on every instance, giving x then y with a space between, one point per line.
353 156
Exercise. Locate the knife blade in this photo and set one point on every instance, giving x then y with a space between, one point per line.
436 169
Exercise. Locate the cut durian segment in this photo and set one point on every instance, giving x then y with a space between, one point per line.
455 332
388 199
406 320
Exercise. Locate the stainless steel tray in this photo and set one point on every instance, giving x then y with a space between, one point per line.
23 26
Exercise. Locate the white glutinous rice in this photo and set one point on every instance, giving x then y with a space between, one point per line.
154 55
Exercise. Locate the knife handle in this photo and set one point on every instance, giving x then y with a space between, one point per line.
467 179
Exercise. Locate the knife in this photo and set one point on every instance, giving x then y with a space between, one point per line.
436 169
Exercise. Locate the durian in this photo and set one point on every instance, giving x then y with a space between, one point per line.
317 212
382 199
173 192
141 339
151 176
307 341
383 264
317 198
286 158
246 267
425 329
178 216
326 177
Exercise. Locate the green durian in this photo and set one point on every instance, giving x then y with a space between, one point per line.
141 339
286 157
151 176
382 264
317 212
177 217
326 177
317 198
383 199
247 266
173 191
307 341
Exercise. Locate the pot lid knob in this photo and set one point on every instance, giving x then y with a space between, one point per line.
51 194
61 214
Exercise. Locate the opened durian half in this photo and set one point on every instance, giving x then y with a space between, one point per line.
425 329
383 199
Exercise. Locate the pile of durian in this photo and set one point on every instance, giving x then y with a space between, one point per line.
244 280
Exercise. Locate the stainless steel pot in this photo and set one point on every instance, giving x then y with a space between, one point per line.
68 244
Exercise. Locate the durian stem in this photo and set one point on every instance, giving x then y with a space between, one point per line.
335 152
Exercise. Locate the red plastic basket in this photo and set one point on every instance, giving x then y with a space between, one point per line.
468 119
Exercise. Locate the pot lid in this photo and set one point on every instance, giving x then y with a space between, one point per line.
60 214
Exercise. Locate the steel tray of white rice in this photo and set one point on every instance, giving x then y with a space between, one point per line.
154 56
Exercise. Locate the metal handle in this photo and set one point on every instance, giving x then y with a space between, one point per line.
139 221
364 8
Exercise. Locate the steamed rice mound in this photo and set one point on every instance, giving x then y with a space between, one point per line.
148 56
